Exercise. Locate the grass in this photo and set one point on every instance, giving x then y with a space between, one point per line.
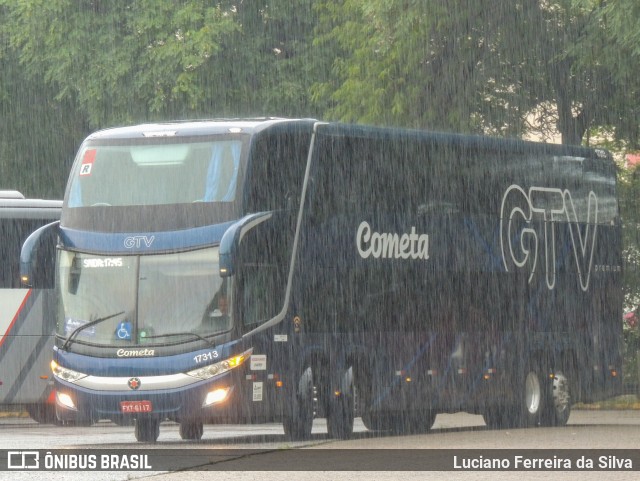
628 401
13 414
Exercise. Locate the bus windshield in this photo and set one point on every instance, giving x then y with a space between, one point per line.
137 172
142 300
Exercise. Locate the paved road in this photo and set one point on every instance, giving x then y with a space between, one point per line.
586 430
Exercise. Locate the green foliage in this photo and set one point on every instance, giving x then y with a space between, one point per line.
464 65
121 61
479 65
425 64
629 194
155 59
39 134
631 366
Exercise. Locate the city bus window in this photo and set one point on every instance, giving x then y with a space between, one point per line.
13 233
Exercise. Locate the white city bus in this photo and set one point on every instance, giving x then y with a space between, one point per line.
27 315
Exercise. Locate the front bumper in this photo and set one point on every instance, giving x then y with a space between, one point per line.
149 396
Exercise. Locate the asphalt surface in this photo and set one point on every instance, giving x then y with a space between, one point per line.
272 457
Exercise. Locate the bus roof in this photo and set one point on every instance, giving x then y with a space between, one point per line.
461 140
192 128
182 128
30 209
11 194
30 203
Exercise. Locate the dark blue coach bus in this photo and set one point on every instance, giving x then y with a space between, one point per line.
273 269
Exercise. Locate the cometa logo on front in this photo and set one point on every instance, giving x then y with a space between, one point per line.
136 352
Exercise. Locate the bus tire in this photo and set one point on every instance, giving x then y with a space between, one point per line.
528 407
341 408
533 397
298 412
191 430
147 430
558 405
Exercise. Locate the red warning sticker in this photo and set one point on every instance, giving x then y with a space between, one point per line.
87 162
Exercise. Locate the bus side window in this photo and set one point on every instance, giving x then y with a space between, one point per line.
277 172
9 254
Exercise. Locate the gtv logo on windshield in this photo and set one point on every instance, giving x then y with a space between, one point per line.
137 241
520 240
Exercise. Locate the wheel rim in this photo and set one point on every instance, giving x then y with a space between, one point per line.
561 394
533 393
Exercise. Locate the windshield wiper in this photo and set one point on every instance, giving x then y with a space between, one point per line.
192 334
67 341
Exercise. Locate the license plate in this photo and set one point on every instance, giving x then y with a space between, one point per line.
136 406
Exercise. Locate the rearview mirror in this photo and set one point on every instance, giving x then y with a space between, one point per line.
37 257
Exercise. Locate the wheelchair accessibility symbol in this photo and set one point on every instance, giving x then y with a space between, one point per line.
123 332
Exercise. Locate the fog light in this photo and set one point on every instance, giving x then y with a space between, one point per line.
66 400
216 396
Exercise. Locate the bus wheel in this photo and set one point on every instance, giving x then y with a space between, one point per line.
527 411
558 406
298 412
341 408
192 430
533 398
147 430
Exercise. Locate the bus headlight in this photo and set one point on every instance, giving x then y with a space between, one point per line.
216 396
207 372
65 400
65 374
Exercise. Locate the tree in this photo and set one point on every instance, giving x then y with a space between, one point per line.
124 62
38 133
429 64
483 66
